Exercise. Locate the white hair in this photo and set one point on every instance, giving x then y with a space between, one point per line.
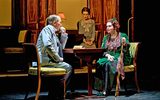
53 18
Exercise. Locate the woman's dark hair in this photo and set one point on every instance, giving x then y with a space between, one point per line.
85 9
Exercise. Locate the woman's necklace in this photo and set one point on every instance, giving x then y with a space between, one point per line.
86 24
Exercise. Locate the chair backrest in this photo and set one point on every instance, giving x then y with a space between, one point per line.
33 60
133 49
24 36
14 56
32 54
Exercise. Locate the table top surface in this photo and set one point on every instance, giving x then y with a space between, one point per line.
84 50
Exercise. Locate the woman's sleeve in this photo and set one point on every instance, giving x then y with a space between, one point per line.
104 42
126 36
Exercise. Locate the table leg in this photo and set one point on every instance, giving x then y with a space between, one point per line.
89 79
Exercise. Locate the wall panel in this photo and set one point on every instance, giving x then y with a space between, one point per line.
6 13
72 11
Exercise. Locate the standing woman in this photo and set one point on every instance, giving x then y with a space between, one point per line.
107 65
86 26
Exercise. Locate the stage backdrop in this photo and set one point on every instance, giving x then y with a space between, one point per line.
71 10
5 13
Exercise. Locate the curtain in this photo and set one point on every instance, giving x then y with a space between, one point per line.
105 9
101 11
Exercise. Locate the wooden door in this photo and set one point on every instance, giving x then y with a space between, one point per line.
36 12
33 18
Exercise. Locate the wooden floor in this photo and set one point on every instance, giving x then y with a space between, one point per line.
14 89
82 94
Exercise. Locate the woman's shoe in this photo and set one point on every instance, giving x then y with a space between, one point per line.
104 93
101 94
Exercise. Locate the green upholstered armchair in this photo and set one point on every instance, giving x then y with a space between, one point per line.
134 46
133 50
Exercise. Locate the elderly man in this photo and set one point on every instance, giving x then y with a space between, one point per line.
50 49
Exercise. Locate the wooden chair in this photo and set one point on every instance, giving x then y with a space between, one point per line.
43 71
24 36
12 58
134 46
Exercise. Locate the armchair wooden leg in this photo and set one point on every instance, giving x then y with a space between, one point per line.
64 89
125 86
38 89
136 81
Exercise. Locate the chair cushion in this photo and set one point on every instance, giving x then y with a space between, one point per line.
47 71
129 68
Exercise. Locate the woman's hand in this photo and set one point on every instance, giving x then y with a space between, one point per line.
110 58
89 42
124 41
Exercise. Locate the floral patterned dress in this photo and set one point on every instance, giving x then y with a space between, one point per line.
103 79
87 28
